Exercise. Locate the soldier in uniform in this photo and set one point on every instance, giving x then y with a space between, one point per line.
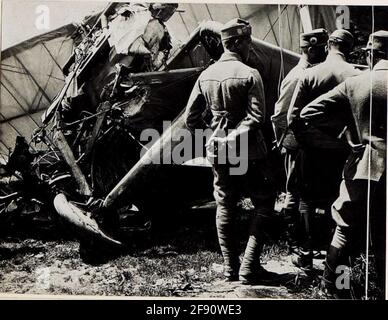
234 95
320 158
312 45
365 117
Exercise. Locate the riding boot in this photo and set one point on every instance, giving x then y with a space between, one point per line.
251 272
329 286
303 258
251 260
228 242
292 224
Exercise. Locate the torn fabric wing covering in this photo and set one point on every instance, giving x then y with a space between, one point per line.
28 85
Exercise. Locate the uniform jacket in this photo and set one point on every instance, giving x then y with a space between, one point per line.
316 81
352 100
279 118
233 93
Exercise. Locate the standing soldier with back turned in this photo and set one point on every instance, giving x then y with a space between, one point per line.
321 157
234 95
312 45
361 104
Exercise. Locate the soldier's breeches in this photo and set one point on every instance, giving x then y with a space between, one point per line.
340 237
291 201
351 205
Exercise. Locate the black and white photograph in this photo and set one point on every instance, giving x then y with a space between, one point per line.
204 150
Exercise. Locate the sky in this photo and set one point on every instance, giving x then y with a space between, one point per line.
19 17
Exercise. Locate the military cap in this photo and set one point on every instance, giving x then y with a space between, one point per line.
314 38
342 36
235 28
378 41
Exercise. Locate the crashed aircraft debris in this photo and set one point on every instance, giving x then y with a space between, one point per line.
125 76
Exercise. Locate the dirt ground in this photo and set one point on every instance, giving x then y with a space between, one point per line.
54 267
178 259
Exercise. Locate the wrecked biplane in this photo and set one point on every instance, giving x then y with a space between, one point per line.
125 77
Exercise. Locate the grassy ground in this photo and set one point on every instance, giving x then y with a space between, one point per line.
48 267
180 258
